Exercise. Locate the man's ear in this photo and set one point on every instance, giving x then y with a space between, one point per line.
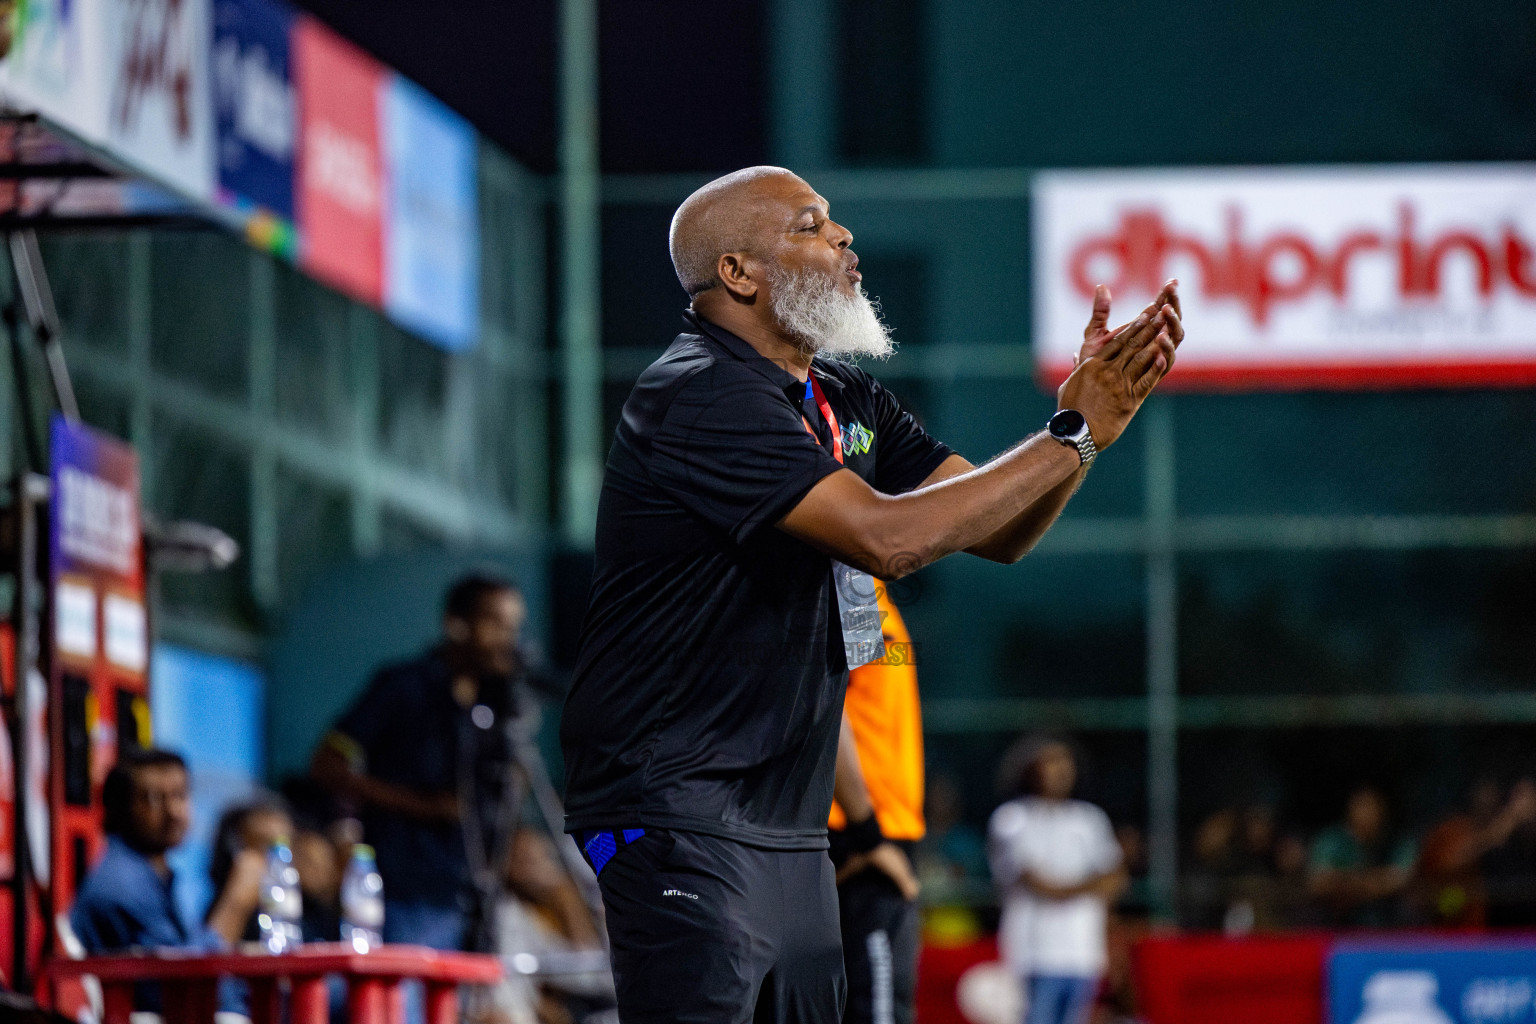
455 629
737 276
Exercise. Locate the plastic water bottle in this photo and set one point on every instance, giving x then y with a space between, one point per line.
281 907
362 902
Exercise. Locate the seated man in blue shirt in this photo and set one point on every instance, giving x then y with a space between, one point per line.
126 900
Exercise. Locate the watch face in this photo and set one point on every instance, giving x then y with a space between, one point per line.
1067 423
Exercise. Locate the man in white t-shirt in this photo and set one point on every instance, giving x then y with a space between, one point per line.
1059 867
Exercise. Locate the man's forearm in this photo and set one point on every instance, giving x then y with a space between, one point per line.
1020 534
332 769
1107 886
387 796
228 917
1111 885
1343 888
892 536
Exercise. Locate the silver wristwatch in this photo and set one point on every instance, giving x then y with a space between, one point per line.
1070 427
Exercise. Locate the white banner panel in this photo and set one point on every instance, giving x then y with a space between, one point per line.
159 112
130 76
55 66
1301 277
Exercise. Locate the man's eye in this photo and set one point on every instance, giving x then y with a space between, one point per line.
811 227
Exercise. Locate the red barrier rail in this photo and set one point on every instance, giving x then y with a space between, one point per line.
939 970
189 982
1217 980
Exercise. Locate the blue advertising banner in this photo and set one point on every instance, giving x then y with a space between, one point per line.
255 116
1473 981
431 236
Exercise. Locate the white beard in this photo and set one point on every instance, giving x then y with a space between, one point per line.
810 309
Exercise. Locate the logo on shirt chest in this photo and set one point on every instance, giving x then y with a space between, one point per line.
857 438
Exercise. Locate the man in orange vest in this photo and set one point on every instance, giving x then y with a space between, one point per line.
876 819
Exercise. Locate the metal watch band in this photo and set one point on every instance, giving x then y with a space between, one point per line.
1087 451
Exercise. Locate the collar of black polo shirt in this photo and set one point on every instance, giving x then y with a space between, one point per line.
792 386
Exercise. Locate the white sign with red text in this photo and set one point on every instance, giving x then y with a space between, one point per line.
159 112
1301 277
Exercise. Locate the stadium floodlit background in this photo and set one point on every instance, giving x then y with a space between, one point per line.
1259 598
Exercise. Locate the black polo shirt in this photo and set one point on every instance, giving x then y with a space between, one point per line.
709 685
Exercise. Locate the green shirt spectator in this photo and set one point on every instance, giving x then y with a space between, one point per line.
1356 871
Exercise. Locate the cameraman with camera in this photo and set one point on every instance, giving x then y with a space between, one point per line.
425 756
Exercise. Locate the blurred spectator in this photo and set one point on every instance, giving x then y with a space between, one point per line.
1509 868
426 745
1239 885
543 916
1213 860
953 849
253 827
1293 907
1291 859
1256 840
249 830
126 900
320 870
322 848
1136 902
1358 870
1267 889
951 864
1450 891
1133 849
246 829
1451 860
1059 866
1130 921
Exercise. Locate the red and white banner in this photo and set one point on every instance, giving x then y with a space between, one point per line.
341 181
1301 277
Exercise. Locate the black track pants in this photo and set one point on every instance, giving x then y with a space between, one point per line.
709 930
880 935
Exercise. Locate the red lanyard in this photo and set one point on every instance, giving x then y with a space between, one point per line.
827 414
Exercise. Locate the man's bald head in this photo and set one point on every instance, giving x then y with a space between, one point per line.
724 216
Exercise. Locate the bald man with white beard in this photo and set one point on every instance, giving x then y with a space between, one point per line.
757 487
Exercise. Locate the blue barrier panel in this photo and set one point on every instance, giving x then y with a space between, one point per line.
1433 981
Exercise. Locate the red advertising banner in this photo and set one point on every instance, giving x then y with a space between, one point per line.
340 196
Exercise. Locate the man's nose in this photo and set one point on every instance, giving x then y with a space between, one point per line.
841 236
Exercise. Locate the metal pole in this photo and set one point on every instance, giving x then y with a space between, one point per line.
530 270
1162 662
581 308
802 37
36 297
138 316
363 349
261 367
